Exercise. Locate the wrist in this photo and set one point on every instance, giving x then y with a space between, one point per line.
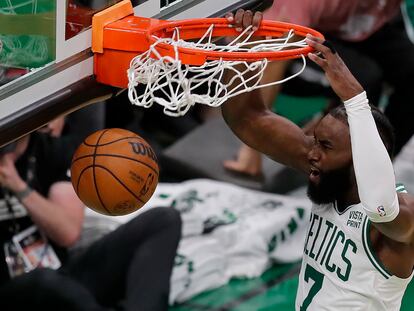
357 102
23 193
18 186
358 97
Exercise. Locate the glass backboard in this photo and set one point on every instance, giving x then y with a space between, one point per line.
46 64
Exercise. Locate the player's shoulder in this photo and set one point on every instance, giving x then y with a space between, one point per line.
404 197
400 188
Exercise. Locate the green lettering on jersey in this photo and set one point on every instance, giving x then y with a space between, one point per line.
331 268
312 274
329 243
312 254
330 226
310 232
345 277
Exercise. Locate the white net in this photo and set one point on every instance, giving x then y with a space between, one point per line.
177 87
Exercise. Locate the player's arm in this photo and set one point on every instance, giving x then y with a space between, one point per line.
392 215
401 229
274 70
261 129
256 125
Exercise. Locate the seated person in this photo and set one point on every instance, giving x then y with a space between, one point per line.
41 216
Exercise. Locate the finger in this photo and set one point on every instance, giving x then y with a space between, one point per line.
238 20
247 19
316 43
318 60
230 17
257 20
330 46
318 46
313 38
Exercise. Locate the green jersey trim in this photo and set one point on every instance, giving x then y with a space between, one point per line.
401 188
344 211
366 241
398 187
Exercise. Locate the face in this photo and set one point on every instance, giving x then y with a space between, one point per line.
54 129
330 160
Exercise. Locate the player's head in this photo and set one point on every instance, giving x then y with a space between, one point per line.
331 174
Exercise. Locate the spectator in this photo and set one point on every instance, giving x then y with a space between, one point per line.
130 266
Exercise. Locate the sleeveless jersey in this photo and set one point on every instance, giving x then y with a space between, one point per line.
340 270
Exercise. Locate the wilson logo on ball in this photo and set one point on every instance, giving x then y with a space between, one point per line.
141 149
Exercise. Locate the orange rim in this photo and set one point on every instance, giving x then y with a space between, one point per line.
195 28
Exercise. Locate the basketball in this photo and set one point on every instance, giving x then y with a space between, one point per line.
114 172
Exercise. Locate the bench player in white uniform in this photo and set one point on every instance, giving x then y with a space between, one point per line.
359 252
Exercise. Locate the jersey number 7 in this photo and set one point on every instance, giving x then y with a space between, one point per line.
317 277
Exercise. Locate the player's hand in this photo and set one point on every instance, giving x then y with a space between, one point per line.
9 177
243 19
341 79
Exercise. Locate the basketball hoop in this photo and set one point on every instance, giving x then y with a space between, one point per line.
181 62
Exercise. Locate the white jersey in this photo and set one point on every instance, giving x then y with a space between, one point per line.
339 270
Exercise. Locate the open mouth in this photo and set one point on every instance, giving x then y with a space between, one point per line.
314 175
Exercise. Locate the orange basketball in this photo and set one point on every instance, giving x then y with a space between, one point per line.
114 172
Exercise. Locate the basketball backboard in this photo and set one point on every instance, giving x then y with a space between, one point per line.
46 64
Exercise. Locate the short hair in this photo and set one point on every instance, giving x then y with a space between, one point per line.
384 126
